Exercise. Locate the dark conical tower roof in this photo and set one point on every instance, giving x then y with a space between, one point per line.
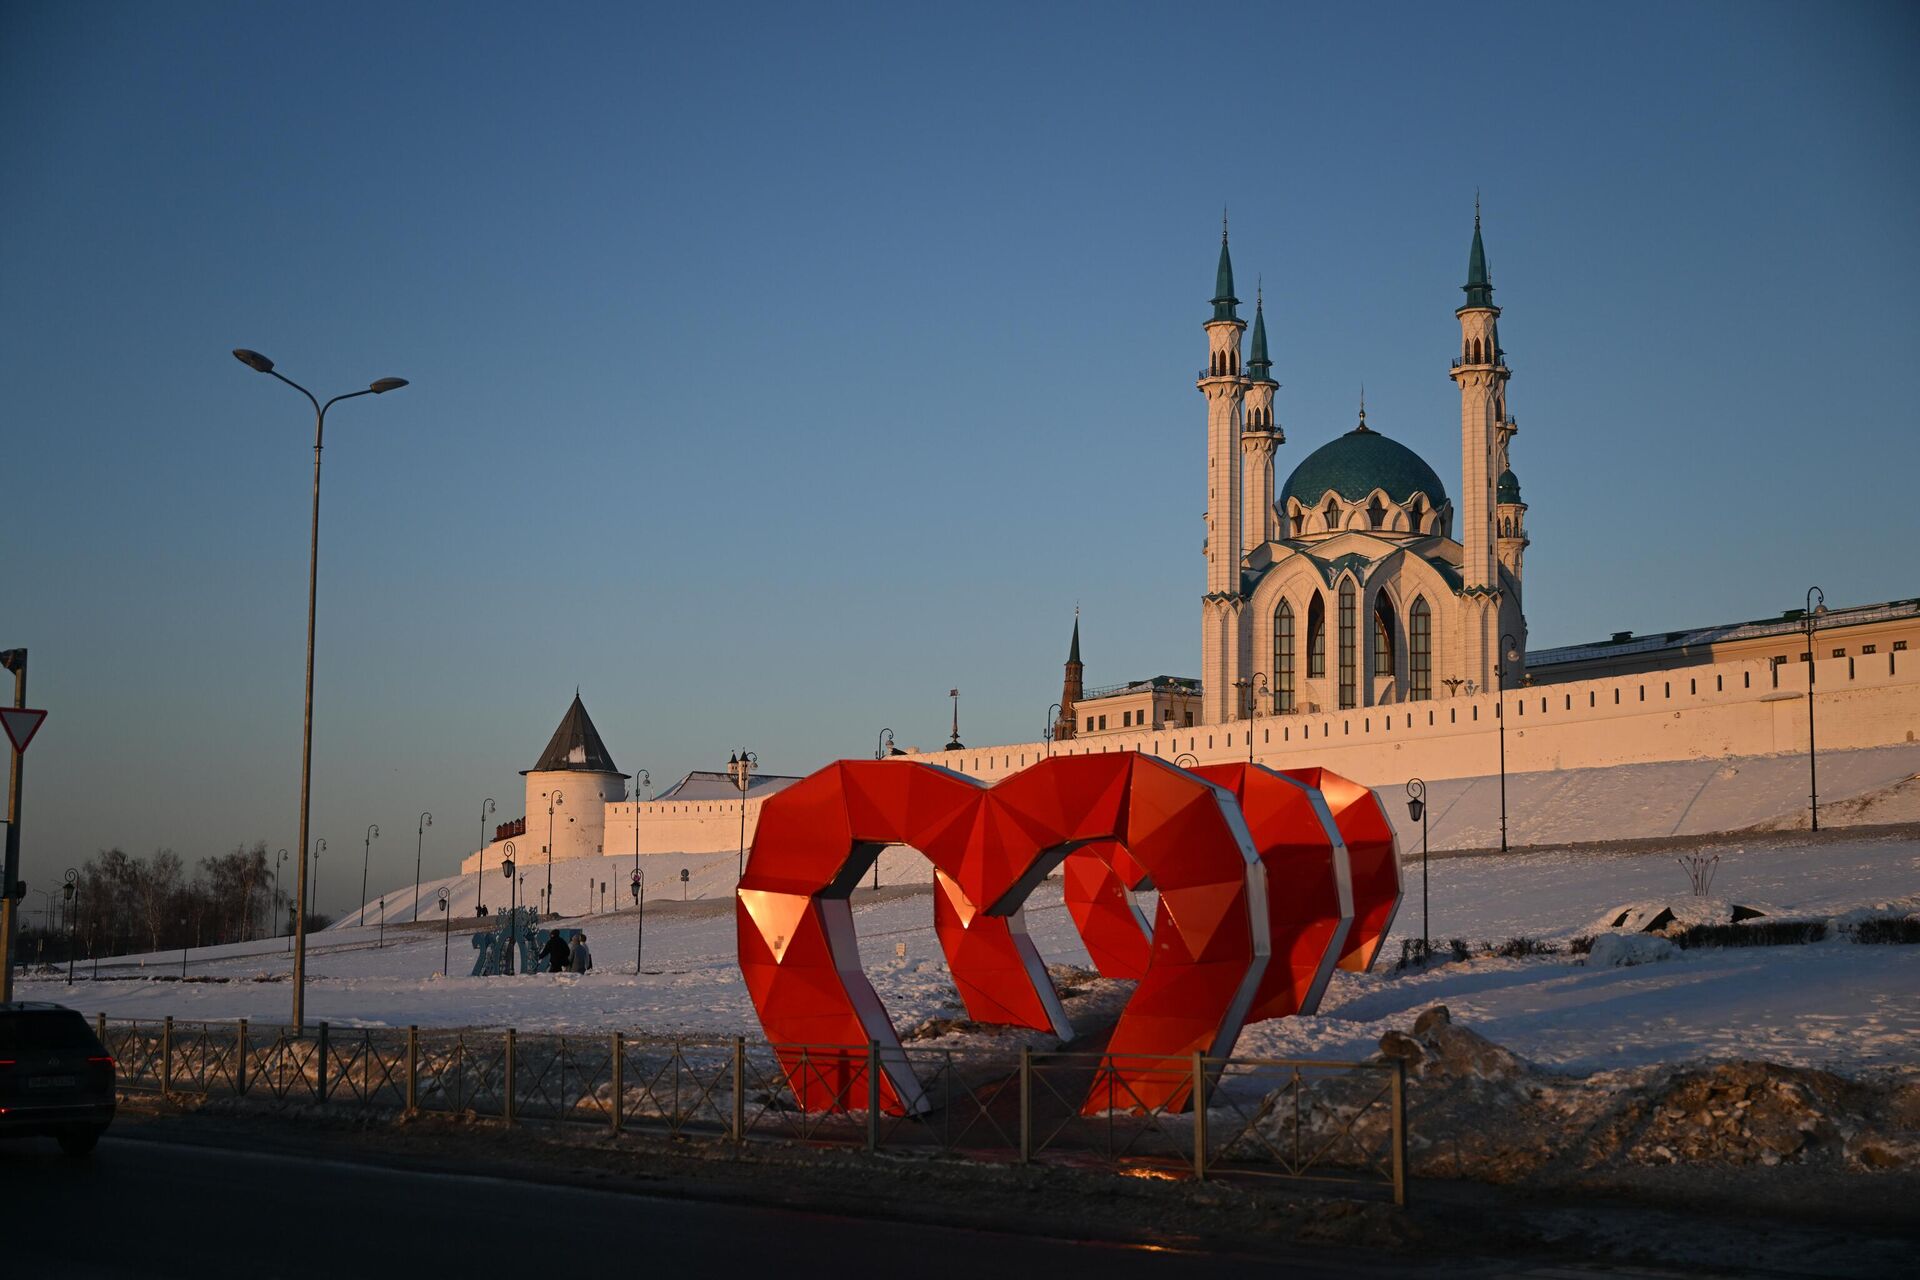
1073 653
1479 285
1224 303
1259 367
575 745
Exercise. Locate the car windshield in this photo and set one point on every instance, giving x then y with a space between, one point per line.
44 1029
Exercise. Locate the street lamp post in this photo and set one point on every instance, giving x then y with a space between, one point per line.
183 948
300 925
553 799
740 765
380 945
274 908
366 856
884 747
1417 810
446 933
513 920
260 364
68 890
480 869
426 820
639 887
1813 778
1255 685
1054 712
1509 652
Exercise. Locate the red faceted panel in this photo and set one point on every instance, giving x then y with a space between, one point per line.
1309 899
990 847
1097 879
1373 856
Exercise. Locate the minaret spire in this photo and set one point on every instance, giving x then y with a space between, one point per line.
1259 367
1225 305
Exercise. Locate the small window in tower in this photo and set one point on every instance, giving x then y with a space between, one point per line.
1103 722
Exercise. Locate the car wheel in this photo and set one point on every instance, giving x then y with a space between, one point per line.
79 1142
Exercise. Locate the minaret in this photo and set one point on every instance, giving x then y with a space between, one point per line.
1071 689
1481 373
1261 435
1224 386
1510 534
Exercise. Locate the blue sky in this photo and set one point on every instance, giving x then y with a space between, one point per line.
777 369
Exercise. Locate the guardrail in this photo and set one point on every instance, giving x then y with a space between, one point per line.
1302 1119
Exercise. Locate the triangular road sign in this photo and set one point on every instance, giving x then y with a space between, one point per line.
21 723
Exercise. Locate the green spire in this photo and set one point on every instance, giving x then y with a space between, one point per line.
1223 300
1479 287
1259 367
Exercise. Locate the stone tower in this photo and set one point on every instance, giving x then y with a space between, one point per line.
1225 387
1260 436
1071 689
1480 371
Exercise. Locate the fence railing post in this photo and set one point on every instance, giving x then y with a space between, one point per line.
507 1108
240 1059
1399 1133
413 1070
873 1096
166 1057
1199 1117
739 1092
320 1079
1026 1104
619 1078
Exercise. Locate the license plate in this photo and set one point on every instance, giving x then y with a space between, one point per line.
53 1082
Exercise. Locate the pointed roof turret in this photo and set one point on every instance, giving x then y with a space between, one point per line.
575 746
1479 286
1073 652
1259 367
1224 303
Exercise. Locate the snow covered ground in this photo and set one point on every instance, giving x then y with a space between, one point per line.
1835 1004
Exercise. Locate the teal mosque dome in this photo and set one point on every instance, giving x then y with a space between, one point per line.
1357 463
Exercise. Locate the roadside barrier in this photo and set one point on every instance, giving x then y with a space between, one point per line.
1297 1119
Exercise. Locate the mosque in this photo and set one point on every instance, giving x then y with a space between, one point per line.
1347 588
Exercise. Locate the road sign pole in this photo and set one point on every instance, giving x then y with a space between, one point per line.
15 661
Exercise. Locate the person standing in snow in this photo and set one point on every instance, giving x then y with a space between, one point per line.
555 953
582 958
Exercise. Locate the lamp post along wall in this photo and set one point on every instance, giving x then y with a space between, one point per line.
426 820
1813 776
15 660
1509 652
366 856
260 364
480 869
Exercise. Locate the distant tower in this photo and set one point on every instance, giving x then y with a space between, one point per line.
575 764
1510 541
1225 387
1260 436
1481 373
1071 689
954 743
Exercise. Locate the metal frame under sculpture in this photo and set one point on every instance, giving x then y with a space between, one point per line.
1122 821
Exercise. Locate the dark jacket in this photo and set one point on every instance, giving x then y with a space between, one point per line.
555 953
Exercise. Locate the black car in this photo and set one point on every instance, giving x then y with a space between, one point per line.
56 1078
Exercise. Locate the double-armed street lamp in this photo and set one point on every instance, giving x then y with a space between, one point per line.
426 820
260 364
1812 619
1417 810
740 764
480 868
1509 652
366 856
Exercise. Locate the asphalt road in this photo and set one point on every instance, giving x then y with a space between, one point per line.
147 1208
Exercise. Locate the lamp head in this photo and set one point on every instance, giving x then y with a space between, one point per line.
506 867
253 360
384 385
1415 808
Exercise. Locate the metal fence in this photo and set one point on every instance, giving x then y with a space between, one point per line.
1339 1122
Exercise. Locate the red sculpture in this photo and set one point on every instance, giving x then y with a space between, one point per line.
1098 883
992 846
1373 856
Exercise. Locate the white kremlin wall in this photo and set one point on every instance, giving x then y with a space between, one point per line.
1718 713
